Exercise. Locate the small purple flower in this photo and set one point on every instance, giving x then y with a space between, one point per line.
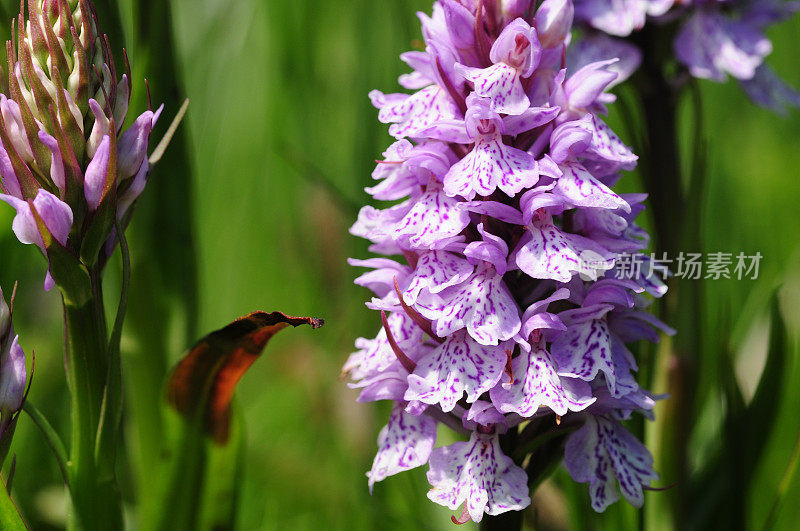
515 55
491 164
405 443
712 45
603 453
477 474
55 214
458 365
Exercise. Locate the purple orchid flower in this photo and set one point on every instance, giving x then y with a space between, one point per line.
498 289
714 39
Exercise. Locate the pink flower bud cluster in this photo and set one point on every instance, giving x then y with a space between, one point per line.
67 164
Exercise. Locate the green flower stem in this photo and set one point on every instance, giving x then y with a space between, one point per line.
677 220
96 503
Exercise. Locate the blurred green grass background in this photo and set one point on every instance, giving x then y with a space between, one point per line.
279 142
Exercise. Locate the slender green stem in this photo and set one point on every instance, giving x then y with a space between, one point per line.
116 333
108 430
95 499
51 437
676 218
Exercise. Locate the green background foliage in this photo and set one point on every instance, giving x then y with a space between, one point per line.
250 211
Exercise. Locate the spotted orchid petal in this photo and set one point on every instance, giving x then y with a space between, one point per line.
586 349
436 271
536 383
580 188
489 166
501 84
477 473
603 453
378 226
433 217
457 366
411 114
376 355
483 305
607 147
404 443
547 252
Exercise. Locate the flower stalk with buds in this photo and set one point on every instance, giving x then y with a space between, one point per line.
73 173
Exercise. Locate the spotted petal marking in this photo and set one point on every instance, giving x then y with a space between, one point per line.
603 450
456 366
538 384
404 443
547 253
584 350
410 114
478 473
482 304
491 165
433 218
606 146
580 188
436 270
378 226
501 84
376 355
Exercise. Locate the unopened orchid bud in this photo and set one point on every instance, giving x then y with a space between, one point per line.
100 129
96 174
512 9
15 128
554 21
133 145
8 179
13 377
5 316
56 160
13 374
460 23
